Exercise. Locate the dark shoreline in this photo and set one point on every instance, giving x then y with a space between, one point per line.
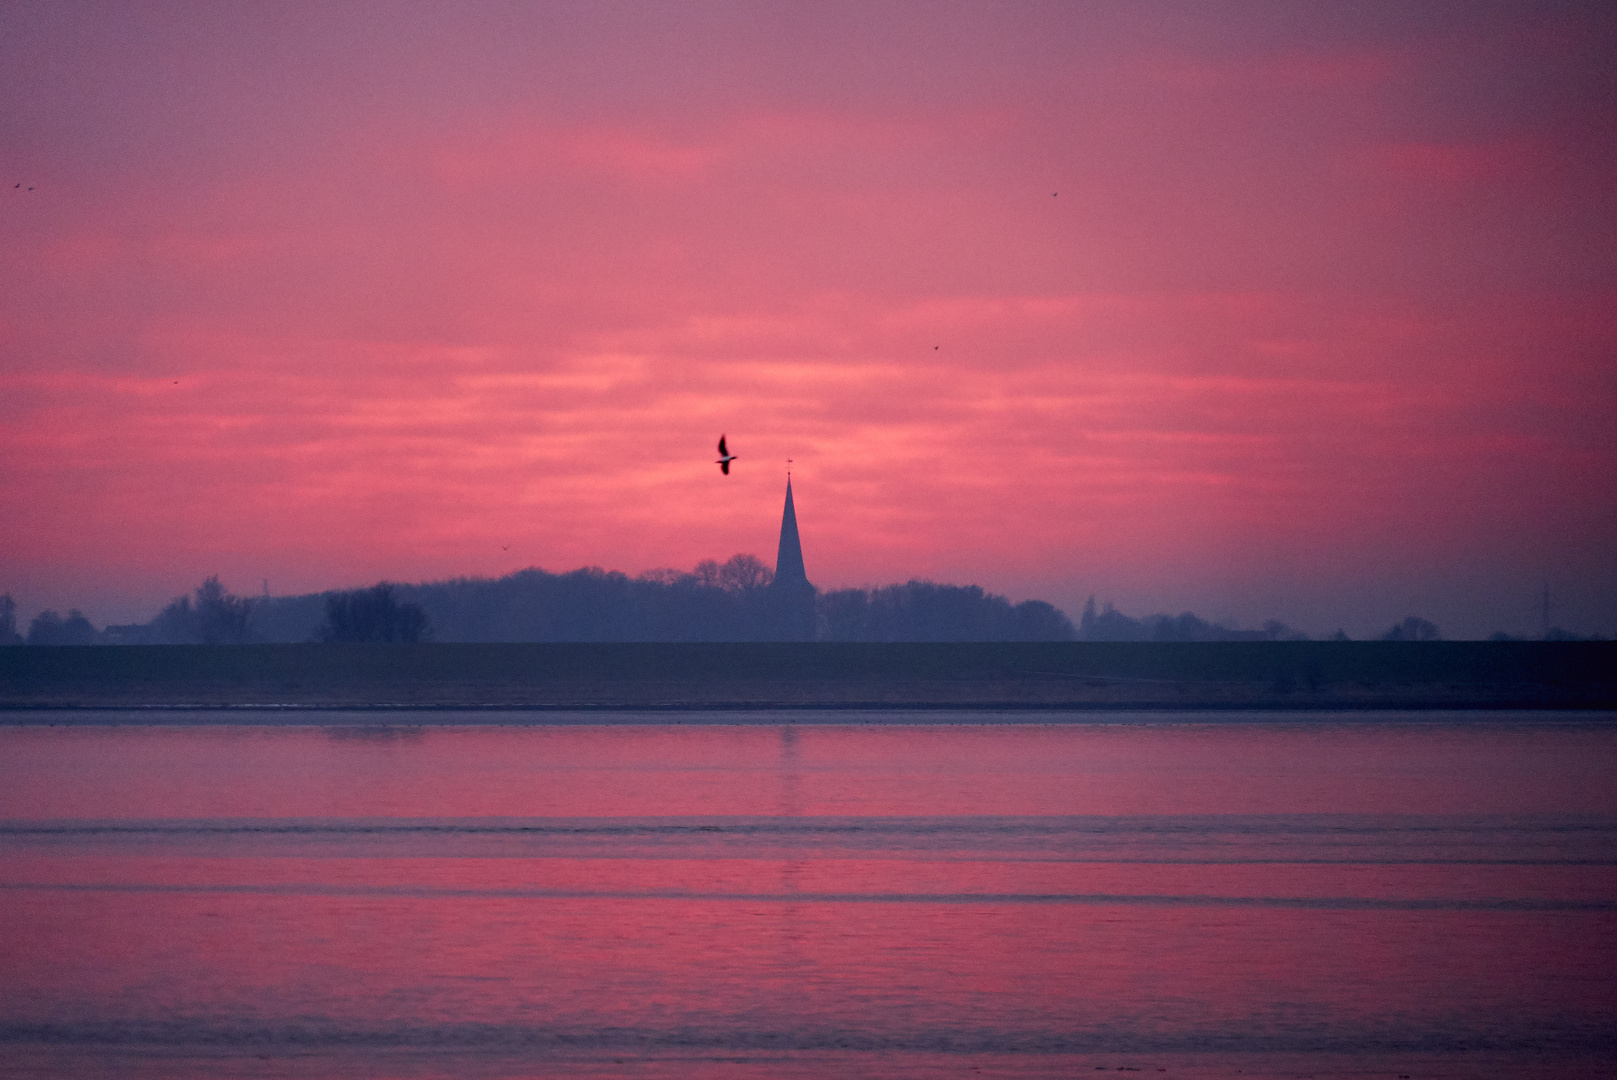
386 722
669 679
676 707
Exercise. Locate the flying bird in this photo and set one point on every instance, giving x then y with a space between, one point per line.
725 457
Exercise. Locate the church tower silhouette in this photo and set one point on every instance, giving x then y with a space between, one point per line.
789 559
791 597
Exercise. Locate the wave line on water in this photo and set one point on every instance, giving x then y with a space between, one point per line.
1085 825
1567 1034
1338 903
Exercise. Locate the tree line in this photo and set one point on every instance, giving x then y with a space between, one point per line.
1108 624
730 601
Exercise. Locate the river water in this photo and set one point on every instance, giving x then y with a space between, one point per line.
808 895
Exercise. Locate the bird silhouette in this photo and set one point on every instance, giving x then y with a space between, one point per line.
725 457
505 547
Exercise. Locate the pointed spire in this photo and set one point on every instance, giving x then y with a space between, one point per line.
789 560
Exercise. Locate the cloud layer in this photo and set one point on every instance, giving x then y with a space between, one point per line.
1274 314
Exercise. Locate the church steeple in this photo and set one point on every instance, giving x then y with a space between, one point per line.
790 614
789 559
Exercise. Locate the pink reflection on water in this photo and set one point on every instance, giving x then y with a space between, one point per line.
198 772
932 900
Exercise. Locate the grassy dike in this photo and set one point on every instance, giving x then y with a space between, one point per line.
1044 675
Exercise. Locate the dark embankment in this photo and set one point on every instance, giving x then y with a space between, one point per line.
1065 675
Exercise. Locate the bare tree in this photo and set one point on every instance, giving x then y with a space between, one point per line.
1412 629
220 617
373 614
743 573
210 616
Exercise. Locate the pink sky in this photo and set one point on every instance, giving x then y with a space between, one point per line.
1276 311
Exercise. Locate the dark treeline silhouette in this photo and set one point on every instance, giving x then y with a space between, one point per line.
730 601
714 602
1413 629
1109 624
215 618
210 616
923 611
373 614
49 628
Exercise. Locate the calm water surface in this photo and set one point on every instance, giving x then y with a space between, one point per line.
1310 896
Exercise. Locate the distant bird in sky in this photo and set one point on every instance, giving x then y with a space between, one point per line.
505 547
725 457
